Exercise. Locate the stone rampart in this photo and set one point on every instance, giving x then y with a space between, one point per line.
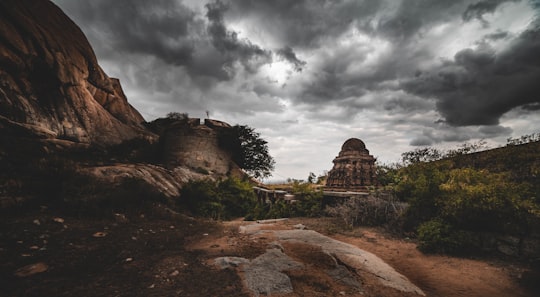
188 143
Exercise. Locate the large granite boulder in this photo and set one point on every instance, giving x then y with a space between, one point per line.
50 81
67 131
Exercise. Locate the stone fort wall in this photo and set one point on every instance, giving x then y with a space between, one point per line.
192 144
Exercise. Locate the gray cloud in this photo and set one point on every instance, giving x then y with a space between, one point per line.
480 85
305 23
161 28
412 17
490 131
169 31
226 42
480 8
497 35
288 54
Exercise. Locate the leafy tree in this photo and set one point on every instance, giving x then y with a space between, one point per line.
177 116
387 174
249 150
466 148
523 139
426 154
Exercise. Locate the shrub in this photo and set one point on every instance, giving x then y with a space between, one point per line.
218 200
308 200
478 200
371 210
437 236
308 204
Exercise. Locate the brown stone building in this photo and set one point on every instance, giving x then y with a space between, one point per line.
354 168
192 144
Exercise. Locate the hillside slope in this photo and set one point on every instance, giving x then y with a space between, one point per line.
51 83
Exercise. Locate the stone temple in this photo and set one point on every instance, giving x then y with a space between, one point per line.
354 168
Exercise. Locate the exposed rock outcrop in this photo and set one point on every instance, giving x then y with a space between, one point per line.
50 80
289 252
67 131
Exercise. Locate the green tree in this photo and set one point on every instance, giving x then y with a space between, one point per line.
418 155
178 116
249 150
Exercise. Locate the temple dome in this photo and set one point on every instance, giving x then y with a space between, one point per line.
353 144
354 168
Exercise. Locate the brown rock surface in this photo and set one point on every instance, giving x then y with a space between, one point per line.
50 79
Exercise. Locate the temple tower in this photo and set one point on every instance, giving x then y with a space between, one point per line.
354 168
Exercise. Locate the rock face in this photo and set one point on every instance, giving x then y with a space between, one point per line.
67 131
354 168
50 80
289 252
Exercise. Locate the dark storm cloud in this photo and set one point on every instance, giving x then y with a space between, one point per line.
494 131
288 54
445 133
159 28
412 16
479 9
442 134
226 41
496 35
169 31
305 23
480 85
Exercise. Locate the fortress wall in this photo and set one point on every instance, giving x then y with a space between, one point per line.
195 146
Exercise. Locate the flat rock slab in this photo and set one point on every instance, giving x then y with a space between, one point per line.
352 257
267 274
264 274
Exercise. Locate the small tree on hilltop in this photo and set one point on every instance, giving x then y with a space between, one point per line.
177 116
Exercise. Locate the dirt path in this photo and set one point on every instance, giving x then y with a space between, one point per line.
441 275
436 275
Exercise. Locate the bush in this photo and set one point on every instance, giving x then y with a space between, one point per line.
218 200
308 200
371 210
308 204
447 205
478 200
437 236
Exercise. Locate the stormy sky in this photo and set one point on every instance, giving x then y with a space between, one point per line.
308 75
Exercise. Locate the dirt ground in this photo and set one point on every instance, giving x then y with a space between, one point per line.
44 252
439 275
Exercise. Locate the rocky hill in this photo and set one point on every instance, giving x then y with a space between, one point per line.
51 82
67 131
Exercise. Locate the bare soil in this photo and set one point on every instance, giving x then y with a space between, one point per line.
440 275
148 253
